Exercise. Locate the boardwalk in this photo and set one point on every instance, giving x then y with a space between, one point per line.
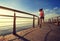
48 32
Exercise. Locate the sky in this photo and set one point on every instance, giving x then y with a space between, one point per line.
51 7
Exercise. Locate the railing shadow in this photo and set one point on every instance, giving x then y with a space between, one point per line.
21 37
45 39
28 33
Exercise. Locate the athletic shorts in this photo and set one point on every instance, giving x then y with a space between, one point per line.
41 17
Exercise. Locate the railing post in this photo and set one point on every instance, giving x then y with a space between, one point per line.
14 24
49 20
52 20
33 21
57 21
38 21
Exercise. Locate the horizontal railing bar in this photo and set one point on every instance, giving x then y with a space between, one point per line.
16 10
16 16
7 15
24 17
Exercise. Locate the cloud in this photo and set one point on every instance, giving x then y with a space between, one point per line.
49 13
47 16
35 13
55 8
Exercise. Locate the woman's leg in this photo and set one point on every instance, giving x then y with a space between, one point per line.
43 20
40 21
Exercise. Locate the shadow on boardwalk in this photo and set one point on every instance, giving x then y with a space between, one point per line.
20 37
53 34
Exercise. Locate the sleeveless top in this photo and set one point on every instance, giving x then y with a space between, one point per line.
41 13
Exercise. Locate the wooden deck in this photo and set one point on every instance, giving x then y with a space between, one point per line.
47 32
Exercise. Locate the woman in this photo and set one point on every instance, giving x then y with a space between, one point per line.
41 16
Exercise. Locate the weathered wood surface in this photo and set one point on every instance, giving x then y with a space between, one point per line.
47 32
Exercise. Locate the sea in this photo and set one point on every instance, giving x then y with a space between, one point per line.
6 27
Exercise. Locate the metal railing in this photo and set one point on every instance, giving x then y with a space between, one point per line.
14 17
55 20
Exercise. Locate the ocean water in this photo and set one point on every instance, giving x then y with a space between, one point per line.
7 28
